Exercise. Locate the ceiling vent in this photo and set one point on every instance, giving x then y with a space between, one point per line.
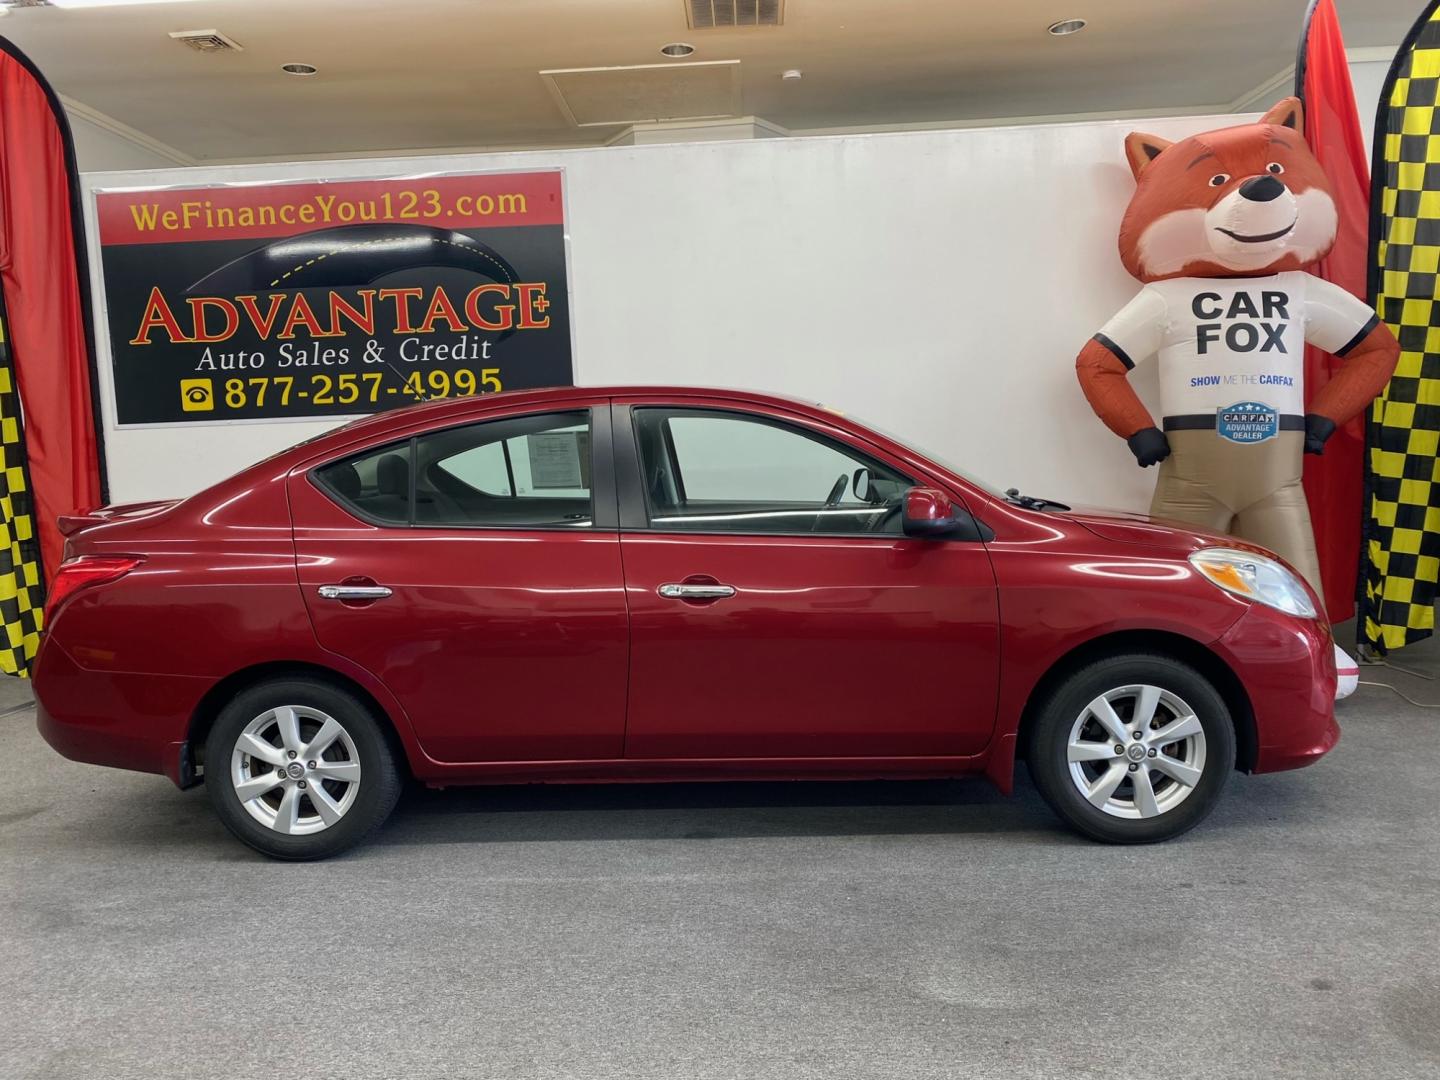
646 93
723 14
207 41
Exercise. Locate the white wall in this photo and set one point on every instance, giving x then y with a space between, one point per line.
937 283
100 148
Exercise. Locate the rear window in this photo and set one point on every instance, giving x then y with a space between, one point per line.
375 484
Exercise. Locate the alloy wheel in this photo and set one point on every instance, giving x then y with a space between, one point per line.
1136 751
295 770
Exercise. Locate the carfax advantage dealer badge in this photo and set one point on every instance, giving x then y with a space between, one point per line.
261 301
1247 422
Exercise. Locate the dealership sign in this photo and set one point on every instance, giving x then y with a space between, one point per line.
250 301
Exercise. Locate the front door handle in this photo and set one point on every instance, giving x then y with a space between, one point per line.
681 591
353 592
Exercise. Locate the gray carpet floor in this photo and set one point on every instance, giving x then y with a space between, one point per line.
683 932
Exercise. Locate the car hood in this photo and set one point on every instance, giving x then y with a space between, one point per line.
1125 527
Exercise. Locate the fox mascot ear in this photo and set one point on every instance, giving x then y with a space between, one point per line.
1142 149
1287 113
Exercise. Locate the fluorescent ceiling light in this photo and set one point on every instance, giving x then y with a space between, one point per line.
108 3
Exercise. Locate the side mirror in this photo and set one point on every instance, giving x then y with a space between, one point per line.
928 512
860 484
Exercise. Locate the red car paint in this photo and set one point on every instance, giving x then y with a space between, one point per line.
532 655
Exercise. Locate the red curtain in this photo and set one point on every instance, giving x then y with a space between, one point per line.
46 299
1334 482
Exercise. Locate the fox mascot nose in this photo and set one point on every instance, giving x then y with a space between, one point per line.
1262 189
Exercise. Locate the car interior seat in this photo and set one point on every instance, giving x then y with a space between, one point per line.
392 480
345 479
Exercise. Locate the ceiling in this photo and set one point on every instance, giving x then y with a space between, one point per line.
412 74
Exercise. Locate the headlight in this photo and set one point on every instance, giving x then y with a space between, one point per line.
1255 577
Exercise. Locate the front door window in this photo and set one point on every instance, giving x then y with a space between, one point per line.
713 471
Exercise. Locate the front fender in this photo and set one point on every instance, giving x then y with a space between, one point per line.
1054 605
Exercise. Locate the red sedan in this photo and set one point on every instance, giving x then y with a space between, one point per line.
663 584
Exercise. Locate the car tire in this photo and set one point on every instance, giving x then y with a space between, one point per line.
299 769
1102 785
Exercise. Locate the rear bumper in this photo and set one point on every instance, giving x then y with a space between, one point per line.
124 720
1287 667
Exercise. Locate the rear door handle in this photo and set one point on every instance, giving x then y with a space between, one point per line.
353 592
679 591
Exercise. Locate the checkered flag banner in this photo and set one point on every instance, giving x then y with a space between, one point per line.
1400 556
22 596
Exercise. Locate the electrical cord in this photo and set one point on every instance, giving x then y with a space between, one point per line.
1369 659
1406 697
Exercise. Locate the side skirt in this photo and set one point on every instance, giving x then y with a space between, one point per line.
663 770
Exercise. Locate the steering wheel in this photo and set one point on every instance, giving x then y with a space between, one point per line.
831 500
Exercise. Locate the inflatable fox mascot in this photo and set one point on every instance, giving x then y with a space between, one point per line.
1219 229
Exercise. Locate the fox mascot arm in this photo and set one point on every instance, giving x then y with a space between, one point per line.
1103 377
1369 362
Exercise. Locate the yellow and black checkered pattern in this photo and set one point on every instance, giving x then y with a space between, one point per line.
1401 551
22 594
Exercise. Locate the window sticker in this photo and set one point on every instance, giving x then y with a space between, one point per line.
554 460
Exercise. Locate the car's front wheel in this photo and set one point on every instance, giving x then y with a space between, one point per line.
1132 749
300 769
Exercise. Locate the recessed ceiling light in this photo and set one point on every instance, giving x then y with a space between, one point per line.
793 75
299 69
1066 27
677 48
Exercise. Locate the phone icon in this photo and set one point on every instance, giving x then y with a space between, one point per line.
197 395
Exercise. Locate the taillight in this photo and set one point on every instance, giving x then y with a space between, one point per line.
81 573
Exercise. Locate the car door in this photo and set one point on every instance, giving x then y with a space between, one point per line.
777 613
475 570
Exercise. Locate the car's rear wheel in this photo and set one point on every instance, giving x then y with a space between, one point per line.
299 769
1132 749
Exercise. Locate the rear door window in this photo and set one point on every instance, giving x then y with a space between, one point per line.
518 472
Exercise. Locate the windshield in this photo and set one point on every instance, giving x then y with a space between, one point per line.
938 459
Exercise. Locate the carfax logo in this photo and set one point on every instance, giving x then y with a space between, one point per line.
1247 422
